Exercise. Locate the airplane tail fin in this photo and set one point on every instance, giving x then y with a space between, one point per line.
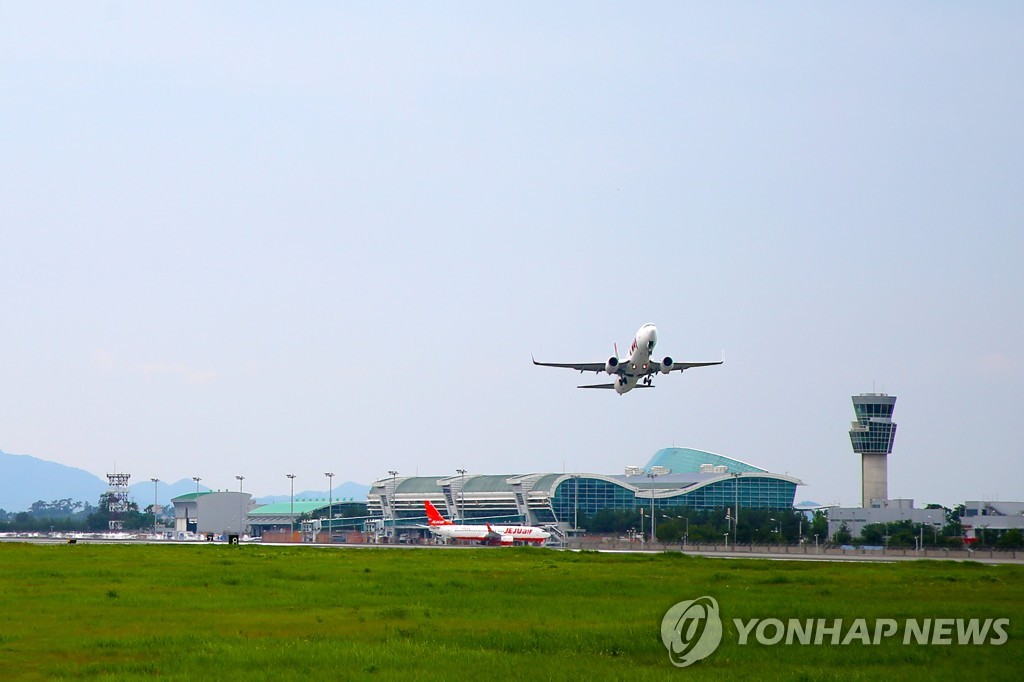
435 516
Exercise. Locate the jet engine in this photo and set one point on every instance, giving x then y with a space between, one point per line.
666 365
612 366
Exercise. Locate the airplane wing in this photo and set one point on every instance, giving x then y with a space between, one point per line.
654 366
613 386
579 366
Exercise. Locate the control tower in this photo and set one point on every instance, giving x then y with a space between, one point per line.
872 436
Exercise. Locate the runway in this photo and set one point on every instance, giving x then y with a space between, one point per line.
830 555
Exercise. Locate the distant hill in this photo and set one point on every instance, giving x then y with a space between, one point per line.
25 479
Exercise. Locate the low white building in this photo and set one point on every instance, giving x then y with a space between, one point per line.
881 511
989 515
212 512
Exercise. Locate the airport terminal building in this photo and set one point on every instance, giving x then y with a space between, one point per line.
674 477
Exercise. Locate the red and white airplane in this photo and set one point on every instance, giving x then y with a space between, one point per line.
636 370
505 535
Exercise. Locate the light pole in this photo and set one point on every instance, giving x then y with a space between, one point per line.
462 493
652 476
291 518
155 481
241 513
736 507
330 500
576 501
779 521
394 507
641 524
196 479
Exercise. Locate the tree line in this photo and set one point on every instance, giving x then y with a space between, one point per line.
75 516
788 526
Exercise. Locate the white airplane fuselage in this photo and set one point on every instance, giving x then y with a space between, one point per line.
633 367
507 535
496 534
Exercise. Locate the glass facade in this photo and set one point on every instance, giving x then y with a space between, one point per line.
874 432
548 498
594 494
752 492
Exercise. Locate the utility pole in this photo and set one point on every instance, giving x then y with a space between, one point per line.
155 481
462 494
330 500
652 476
736 508
291 518
394 506
576 501
241 511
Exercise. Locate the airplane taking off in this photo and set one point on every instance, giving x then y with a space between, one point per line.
636 370
505 535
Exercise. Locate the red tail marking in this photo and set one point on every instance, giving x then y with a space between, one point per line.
435 516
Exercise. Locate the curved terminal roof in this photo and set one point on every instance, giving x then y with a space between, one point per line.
417 484
487 484
684 476
689 460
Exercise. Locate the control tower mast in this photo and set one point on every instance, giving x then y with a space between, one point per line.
872 436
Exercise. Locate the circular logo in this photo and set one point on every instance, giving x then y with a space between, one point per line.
691 630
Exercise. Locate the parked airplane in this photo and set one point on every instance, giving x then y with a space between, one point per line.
501 534
637 369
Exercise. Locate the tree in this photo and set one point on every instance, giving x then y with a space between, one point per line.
1011 539
131 519
843 535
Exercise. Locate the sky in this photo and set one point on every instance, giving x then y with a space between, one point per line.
268 238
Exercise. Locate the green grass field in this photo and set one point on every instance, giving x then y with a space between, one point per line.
217 611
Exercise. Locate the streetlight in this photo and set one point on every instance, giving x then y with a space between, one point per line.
576 501
779 531
155 481
330 499
394 506
241 515
652 476
736 507
196 479
462 493
291 519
